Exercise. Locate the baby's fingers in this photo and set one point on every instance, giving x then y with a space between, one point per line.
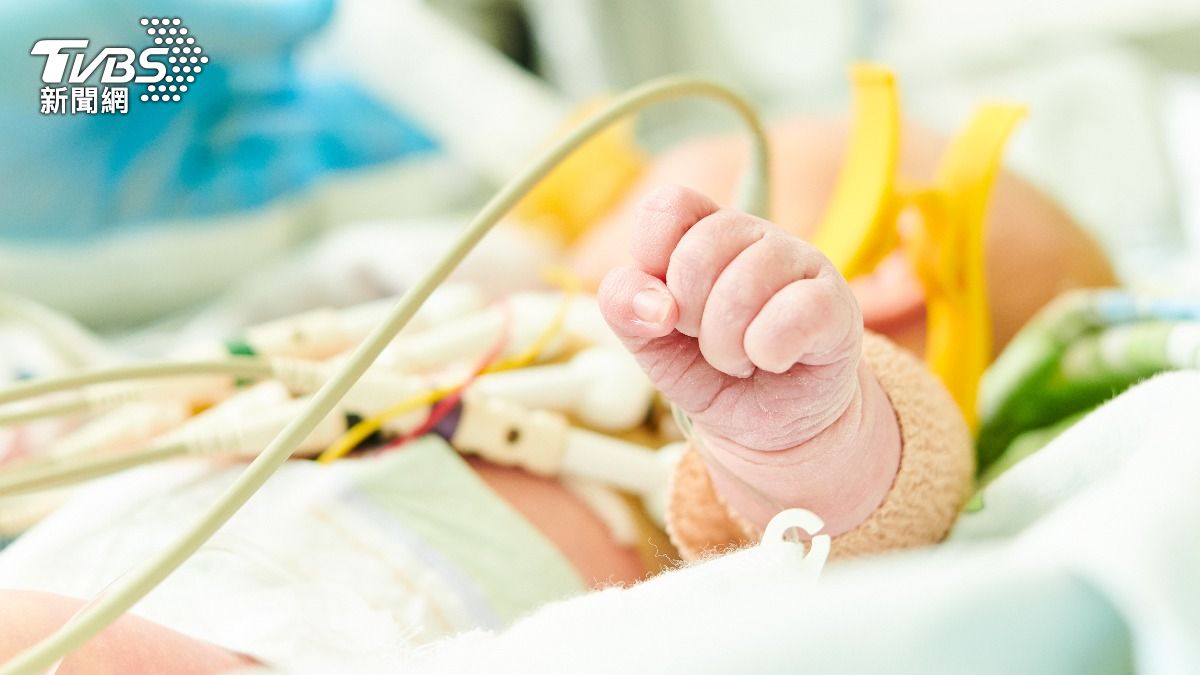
744 287
637 306
811 321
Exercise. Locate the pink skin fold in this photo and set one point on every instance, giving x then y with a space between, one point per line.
755 335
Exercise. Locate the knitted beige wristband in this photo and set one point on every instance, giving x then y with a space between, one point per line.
937 464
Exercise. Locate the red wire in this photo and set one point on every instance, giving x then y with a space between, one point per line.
447 404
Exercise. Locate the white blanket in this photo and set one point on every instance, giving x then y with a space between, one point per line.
1083 560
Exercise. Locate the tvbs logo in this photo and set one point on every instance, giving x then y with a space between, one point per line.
167 69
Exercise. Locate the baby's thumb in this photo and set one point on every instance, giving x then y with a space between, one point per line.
643 313
638 307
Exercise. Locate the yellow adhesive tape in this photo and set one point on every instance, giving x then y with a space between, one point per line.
947 251
858 229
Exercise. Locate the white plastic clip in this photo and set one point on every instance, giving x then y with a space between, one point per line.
507 434
787 521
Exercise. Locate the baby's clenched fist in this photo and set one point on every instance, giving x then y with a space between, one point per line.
750 331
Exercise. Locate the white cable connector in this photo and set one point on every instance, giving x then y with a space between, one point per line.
301 376
247 437
471 336
130 426
602 387
196 390
240 426
379 389
316 334
450 301
507 434
242 438
322 333
373 392
626 466
543 443
244 403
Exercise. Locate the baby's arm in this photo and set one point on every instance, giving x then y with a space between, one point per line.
131 645
756 336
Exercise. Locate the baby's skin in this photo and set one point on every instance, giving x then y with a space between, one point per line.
751 331
757 337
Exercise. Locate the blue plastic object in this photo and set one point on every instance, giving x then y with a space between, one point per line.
252 127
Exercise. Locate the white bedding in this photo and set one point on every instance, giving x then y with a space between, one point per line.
1082 561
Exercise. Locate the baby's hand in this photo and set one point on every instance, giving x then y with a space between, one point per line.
757 337
754 333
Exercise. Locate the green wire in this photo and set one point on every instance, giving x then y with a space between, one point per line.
124 593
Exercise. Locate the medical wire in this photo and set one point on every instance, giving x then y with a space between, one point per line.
561 277
447 403
37 475
50 410
56 473
237 366
361 431
127 591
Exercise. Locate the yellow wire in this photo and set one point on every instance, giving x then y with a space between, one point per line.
570 284
359 432
563 278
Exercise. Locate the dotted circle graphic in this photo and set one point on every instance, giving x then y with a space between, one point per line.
185 57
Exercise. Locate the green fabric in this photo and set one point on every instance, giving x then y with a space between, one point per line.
1027 444
427 486
1080 351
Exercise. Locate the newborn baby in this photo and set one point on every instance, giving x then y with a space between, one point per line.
753 334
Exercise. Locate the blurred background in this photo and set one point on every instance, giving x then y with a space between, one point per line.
320 126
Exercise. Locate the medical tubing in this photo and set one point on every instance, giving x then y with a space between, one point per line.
124 593
57 409
59 473
236 438
361 431
237 366
298 374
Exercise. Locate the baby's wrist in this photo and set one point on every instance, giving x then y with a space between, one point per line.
842 473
